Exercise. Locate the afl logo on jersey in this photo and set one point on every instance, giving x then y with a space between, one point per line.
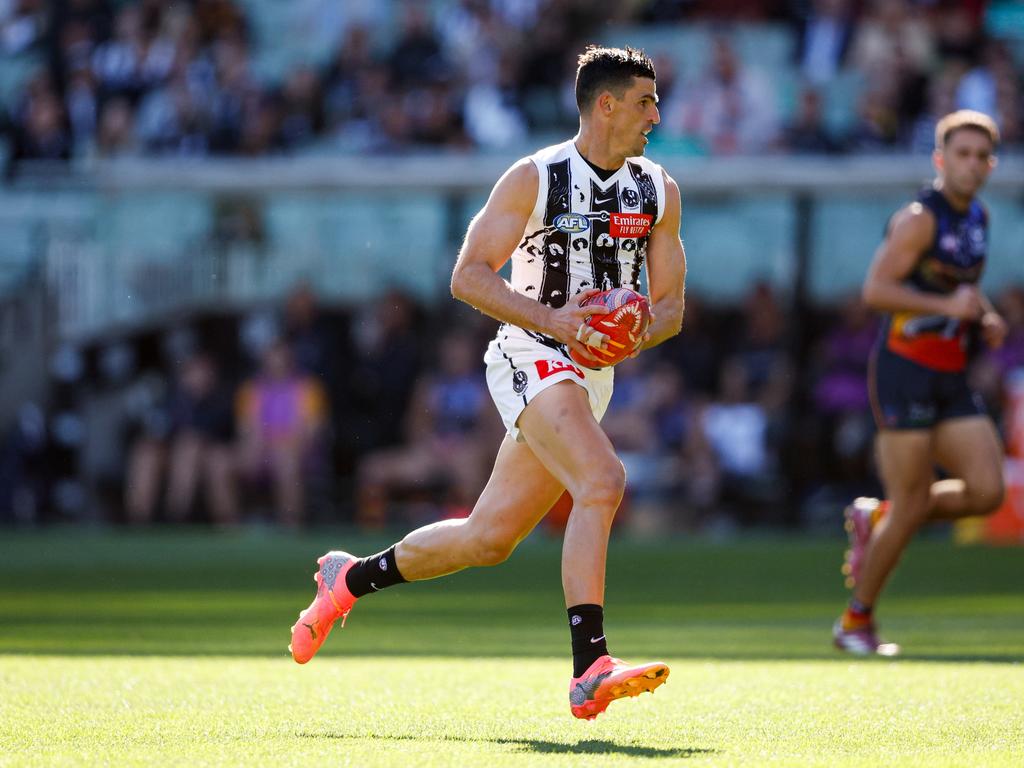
571 223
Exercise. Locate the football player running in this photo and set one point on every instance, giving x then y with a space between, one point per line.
575 218
924 277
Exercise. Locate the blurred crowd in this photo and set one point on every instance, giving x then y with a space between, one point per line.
379 415
154 78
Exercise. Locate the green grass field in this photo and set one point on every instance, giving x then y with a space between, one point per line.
169 648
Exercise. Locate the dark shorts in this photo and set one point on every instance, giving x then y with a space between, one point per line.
906 395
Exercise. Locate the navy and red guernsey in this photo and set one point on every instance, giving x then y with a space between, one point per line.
956 257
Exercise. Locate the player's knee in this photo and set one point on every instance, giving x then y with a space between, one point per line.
603 487
492 547
986 495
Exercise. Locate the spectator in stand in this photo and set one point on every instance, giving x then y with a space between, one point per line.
732 109
763 348
485 75
448 448
312 347
958 31
877 128
823 40
807 133
188 440
43 133
474 38
116 134
941 101
493 117
302 117
695 350
840 393
737 428
81 105
417 58
385 362
892 31
993 88
22 25
346 79
281 418
172 122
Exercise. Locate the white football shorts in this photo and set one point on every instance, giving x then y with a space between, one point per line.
518 369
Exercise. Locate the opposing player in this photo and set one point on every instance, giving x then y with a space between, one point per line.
925 276
575 218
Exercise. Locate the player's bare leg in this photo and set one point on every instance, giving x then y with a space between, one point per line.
519 493
562 432
560 428
969 450
905 460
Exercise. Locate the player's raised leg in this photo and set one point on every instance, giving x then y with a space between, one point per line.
562 431
519 493
968 449
904 457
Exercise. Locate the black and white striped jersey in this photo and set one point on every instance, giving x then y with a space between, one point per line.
584 232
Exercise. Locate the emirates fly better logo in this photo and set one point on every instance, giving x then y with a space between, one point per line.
630 224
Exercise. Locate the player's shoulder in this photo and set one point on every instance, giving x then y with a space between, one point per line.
915 214
552 153
915 221
521 178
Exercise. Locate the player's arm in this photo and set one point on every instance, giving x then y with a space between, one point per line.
493 235
666 270
910 235
993 326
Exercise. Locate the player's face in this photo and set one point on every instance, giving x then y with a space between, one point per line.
635 115
966 161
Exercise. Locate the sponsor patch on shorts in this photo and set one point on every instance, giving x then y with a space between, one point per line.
547 368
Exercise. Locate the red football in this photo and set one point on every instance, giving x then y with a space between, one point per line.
624 326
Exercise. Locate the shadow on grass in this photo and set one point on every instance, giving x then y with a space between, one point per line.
586 747
598 747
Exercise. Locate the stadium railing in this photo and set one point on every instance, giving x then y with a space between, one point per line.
125 242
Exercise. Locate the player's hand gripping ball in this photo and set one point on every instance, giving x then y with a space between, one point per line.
613 337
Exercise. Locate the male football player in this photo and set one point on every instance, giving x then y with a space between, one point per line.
575 218
925 278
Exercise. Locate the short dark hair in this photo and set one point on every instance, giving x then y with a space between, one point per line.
965 119
609 69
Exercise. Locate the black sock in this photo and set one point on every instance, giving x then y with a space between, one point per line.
373 573
586 623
